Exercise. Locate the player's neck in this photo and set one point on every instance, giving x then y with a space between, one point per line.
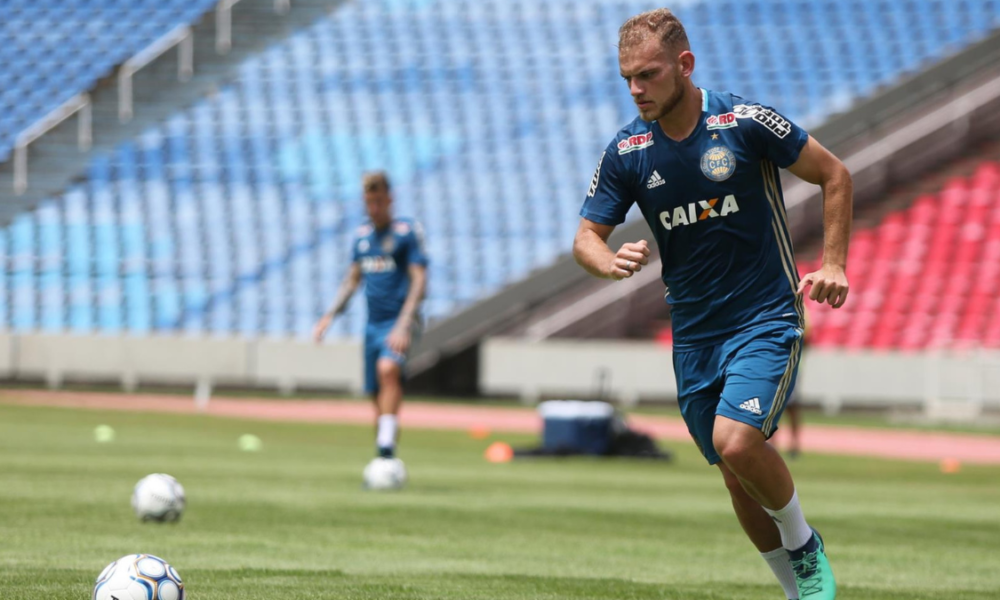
682 121
382 226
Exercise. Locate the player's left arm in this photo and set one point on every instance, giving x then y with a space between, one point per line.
400 337
819 166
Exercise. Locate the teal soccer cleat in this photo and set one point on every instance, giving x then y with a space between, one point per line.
813 575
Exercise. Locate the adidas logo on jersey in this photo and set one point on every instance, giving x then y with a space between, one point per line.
655 181
752 405
698 211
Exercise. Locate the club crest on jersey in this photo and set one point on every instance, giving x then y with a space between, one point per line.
724 121
363 246
635 142
718 163
702 210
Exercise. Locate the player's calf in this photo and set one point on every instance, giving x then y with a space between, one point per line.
390 396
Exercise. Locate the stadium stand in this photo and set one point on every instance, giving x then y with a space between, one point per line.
234 216
52 50
926 276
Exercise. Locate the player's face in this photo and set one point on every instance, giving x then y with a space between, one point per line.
655 79
377 205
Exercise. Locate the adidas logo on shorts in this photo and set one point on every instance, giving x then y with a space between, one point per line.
655 181
752 405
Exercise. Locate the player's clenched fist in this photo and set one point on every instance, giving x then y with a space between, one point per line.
629 259
829 285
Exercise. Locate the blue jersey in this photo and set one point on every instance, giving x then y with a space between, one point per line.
385 257
714 204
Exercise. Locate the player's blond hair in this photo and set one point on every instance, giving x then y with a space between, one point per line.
375 181
654 24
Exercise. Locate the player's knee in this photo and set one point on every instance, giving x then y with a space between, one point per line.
735 444
388 371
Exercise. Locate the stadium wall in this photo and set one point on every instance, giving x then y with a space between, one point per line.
284 365
964 383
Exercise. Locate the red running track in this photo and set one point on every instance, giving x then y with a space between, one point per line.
824 439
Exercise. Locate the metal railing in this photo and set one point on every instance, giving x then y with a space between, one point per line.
77 104
224 25
224 22
180 36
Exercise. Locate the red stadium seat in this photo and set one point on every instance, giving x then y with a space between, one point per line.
925 277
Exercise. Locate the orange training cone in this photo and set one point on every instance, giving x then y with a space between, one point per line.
479 432
499 452
950 465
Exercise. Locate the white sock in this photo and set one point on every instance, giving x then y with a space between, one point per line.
791 524
386 437
781 564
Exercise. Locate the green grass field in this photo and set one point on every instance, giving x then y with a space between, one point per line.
292 521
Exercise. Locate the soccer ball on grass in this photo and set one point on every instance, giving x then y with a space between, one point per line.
139 577
158 497
385 474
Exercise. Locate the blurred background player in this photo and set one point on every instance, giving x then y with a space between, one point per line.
793 408
388 254
703 168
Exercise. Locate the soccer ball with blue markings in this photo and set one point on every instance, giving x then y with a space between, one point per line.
139 577
158 497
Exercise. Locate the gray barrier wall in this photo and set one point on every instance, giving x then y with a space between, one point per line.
132 361
943 384
947 384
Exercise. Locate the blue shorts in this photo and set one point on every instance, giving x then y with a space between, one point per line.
748 378
376 348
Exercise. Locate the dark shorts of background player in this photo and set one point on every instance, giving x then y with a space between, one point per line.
749 378
376 347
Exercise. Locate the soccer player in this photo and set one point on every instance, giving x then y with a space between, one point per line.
389 255
794 408
703 167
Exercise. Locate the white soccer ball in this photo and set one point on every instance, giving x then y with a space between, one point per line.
158 497
385 474
139 577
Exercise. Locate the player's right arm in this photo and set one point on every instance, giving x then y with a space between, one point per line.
591 251
607 203
347 288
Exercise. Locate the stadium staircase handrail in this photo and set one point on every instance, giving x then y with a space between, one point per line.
224 25
181 36
77 104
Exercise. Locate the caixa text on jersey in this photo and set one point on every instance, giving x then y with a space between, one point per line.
698 211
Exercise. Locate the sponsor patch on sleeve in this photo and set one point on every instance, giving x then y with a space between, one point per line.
401 227
597 177
772 121
635 142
